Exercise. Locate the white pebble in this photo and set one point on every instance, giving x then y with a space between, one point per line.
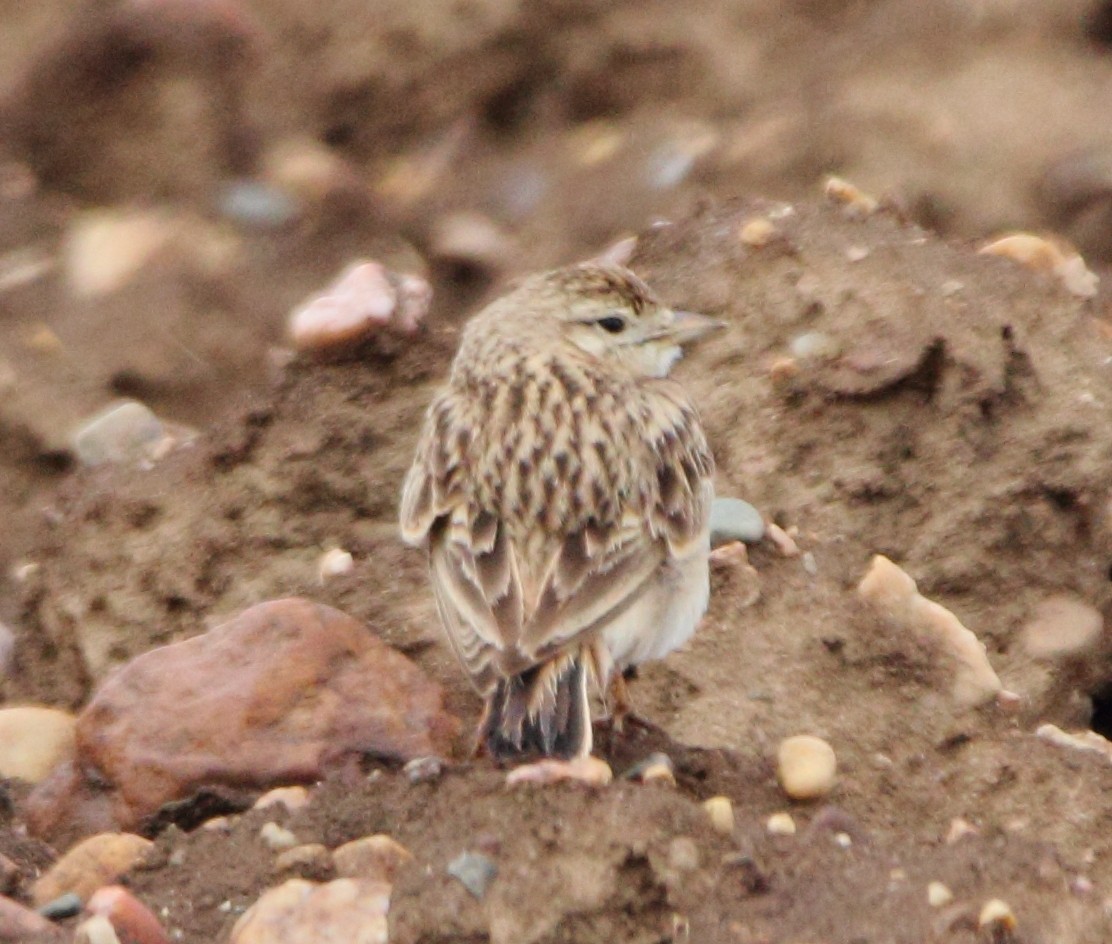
938 895
1062 626
997 914
277 837
106 249
334 563
807 767
781 824
843 840
814 345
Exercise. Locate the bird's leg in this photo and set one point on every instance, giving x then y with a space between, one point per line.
620 702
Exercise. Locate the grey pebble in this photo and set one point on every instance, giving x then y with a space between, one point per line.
732 519
257 205
64 906
423 769
474 871
124 432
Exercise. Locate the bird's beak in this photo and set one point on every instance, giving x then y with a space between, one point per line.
688 326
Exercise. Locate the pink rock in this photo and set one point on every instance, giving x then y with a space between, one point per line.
364 299
275 695
133 921
19 925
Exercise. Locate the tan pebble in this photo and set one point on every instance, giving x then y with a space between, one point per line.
1050 256
659 773
345 909
33 741
589 770
93 862
372 857
843 840
897 875
594 142
277 837
720 809
334 563
105 249
959 829
807 767
96 930
756 232
856 203
311 860
1079 740
217 824
292 798
782 371
42 340
780 824
1062 626
1009 702
938 895
305 168
133 921
783 541
472 239
893 592
857 253
997 914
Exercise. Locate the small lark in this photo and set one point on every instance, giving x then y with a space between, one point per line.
563 488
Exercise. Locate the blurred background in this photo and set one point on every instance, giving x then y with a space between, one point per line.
176 175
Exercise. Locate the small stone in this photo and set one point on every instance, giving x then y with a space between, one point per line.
996 915
376 857
720 809
938 895
807 767
855 203
756 232
312 861
105 249
22 267
857 253
306 168
732 519
780 824
782 371
683 854
34 740
959 829
814 345
257 205
893 592
345 909
1053 257
292 798
470 240
64 906
1009 702
589 770
365 298
1088 741
277 837
222 824
334 563
843 840
781 540
656 766
125 432
423 769
96 930
1081 885
93 862
950 287
1062 626
132 921
474 871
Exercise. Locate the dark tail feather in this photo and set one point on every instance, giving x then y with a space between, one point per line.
541 711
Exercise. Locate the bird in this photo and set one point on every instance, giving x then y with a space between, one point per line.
562 486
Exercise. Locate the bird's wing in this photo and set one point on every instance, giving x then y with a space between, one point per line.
599 571
474 571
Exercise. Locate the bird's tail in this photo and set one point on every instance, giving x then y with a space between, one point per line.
544 710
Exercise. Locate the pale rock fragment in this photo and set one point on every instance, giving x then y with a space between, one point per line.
1088 741
894 594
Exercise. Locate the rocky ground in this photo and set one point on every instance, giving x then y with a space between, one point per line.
178 176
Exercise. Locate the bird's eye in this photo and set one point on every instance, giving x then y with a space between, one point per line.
612 323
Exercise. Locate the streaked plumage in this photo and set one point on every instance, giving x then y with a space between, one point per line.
563 490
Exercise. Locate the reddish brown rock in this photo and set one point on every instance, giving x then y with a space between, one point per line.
133 922
273 696
19 925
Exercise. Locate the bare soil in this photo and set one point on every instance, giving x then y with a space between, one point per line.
961 428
